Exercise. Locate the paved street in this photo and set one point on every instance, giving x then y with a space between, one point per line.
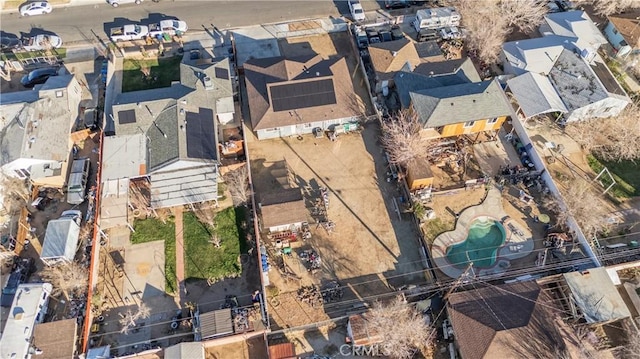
75 23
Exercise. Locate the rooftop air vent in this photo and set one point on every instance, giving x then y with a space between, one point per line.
208 84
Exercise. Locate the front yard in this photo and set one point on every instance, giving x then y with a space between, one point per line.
149 74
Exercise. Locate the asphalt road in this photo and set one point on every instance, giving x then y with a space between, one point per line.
76 23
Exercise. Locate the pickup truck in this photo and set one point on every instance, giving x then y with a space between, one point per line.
41 42
170 27
128 32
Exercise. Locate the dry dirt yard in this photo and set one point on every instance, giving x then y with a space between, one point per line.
370 249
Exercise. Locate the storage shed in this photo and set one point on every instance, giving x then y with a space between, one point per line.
283 210
60 241
419 175
215 324
361 332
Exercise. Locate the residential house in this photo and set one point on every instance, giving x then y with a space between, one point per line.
293 96
447 104
623 32
390 57
169 137
505 321
283 210
56 340
27 310
577 25
562 72
35 139
591 297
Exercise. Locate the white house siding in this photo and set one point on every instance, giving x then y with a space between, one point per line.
616 40
285 227
607 107
301 129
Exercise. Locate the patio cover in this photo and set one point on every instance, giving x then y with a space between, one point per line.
535 94
596 296
99 352
115 199
216 323
185 185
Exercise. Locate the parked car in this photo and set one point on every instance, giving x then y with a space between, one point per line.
22 269
450 33
35 8
356 10
170 27
553 7
90 119
128 32
385 35
396 32
38 76
41 42
73 214
396 4
566 5
116 3
7 44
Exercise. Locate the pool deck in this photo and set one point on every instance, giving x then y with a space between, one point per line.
518 243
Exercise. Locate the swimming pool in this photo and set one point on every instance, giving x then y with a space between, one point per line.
485 237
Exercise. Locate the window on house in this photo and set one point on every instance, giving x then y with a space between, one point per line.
59 93
19 173
469 124
307 125
271 129
606 110
492 121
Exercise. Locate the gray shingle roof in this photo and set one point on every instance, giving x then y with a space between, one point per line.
407 82
463 68
460 103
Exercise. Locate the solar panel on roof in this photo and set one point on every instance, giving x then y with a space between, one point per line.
200 135
302 95
221 73
127 116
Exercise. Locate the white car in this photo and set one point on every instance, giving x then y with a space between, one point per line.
356 10
35 8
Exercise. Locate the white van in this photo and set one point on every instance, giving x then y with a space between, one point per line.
77 183
356 10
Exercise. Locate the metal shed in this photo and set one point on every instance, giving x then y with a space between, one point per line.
60 241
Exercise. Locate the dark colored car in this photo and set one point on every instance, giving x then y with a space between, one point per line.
91 119
396 4
427 34
7 44
385 35
39 76
396 32
23 268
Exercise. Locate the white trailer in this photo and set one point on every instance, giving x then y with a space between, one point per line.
436 18
61 239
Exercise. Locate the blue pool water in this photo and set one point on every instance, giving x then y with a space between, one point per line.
485 237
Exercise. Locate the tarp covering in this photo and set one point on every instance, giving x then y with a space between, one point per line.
60 240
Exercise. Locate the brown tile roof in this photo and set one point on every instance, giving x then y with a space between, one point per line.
262 74
282 351
389 57
281 196
628 25
57 340
507 321
362 333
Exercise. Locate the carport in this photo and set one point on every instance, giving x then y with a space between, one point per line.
535 95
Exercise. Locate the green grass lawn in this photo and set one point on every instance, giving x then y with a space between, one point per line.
203 259
626 174
151 229
162 72
61 53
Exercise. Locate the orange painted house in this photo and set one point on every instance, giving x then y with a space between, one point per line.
451 105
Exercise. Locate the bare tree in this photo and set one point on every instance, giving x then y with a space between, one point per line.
582 202
238 182
403 328
402 140
205 212
489 22
67 279
611 139
632 348
14 192
128 318
608 7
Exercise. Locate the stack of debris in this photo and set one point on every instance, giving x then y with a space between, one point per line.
310 295
332 292
312 258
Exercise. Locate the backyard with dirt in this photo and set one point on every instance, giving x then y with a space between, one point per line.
369 251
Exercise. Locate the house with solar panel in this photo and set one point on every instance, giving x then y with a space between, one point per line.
449 99
168 138
561 72
295 96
